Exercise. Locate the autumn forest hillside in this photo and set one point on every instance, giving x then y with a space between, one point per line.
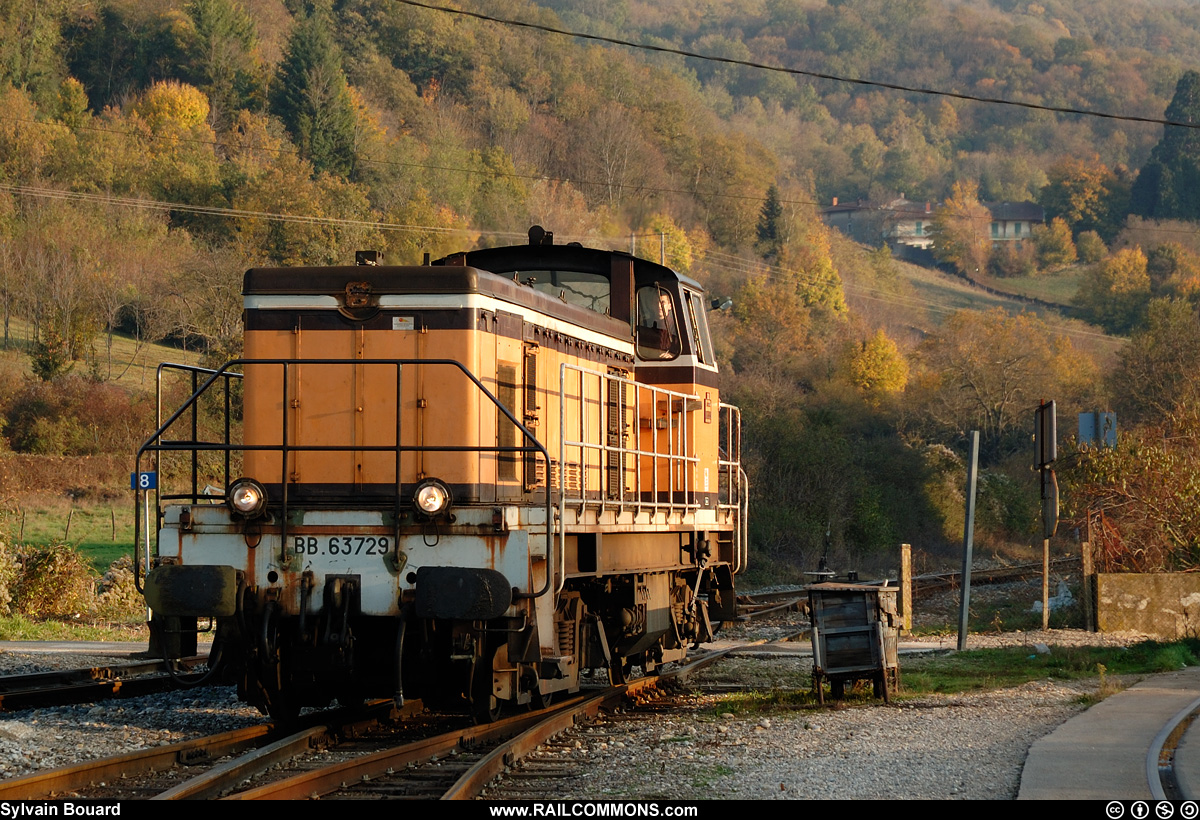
151 151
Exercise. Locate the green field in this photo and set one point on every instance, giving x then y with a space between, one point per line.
102 531
102 528
128 362
1058 288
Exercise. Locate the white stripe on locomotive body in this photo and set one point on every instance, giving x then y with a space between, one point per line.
451 301
474 301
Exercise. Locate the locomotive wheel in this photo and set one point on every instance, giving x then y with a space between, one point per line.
619 671
485 706
532 684
541 700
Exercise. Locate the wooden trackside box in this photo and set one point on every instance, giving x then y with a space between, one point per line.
854 636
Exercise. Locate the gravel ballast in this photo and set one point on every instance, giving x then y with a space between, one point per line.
933 747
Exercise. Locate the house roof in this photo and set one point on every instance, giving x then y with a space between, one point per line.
896 207
857 205
907 208
1016 211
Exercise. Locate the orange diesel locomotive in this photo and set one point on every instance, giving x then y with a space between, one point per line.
466 481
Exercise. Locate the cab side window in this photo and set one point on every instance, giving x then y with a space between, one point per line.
657 325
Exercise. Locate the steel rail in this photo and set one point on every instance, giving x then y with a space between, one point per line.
746 613
997 575
514 736
226 776
65 686
472 782
332 778
160 758
219 778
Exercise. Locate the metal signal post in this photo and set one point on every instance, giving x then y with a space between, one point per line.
1046 449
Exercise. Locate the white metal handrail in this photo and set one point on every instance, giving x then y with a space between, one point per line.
737 485
594 397
588 437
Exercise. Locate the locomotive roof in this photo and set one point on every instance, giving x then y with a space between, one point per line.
572 257
412 278
392 280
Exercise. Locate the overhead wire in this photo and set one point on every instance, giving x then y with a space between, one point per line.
733 262
1087 112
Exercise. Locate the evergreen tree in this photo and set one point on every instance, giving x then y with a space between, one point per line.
769 239
1168 186
222 54
310 95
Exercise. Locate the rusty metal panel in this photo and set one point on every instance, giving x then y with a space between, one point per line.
192 591
462 593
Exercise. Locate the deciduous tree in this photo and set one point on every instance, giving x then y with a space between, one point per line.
1114 292
984 370
878 368
1156 371
960 229
1091 247
1086 194
1055 250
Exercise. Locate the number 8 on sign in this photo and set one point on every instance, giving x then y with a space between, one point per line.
143 481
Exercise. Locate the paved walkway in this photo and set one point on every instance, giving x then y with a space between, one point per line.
1101 754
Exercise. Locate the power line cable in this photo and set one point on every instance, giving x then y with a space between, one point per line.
1086 112
729 261
239 213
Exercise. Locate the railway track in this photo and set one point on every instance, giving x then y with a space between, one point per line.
66 686
341 755
757 603
924 584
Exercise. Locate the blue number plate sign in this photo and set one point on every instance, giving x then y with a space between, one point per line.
143 481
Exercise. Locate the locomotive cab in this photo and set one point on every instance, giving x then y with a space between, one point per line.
467 481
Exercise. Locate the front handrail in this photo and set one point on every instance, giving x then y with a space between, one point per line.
155 444
730 471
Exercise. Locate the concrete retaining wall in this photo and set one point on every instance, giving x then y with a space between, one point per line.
1166 605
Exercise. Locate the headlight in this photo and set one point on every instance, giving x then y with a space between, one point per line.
246 497
432 497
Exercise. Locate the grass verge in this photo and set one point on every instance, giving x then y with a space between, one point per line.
981 670
21 628
89 527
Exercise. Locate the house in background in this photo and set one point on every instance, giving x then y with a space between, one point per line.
1014 220
903 225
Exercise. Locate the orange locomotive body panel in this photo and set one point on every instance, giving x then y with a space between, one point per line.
349 406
